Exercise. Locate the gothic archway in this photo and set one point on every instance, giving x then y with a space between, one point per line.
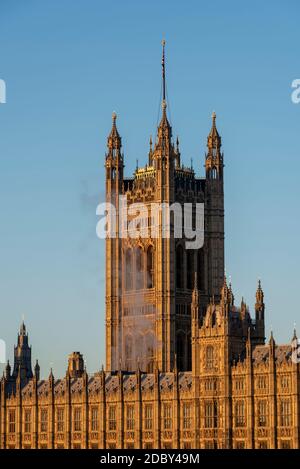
128 270
190 269
139 268
129 352
150 267
200 269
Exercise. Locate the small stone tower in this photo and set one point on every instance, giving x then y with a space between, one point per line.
75 365
22 357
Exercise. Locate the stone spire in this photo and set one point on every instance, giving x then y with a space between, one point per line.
178 162
164 147
150 151
114 140
114 162
225 291
214 139
22 356
195 294
51 376
37 370
259 294
164 131
295 334
272 340
214 157
259 305
7 370
22 329
295 347
230 295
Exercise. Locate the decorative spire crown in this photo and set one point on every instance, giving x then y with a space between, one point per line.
23 329
214 139
272 341
195 294
224 291
114 139
164 131
259 294
7 370
231 295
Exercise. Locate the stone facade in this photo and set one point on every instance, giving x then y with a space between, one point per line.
185 366
237 395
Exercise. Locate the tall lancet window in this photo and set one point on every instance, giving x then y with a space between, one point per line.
200 269
180 350
190 269
179 267
128 270
150 270
128 351
213 173
139 271
210 357
149 349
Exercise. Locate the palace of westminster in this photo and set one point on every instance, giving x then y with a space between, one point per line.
185 366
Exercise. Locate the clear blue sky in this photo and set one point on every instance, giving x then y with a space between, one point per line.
67 65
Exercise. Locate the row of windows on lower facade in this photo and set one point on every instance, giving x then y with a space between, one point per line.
208 444
261 382
94 416
211 418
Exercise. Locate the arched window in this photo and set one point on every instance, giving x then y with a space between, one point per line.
180 350
128 270
216 414
149 349
179 267
200 269
213 319
150 270
213 173
139 271
240 419
209 358
128 351
139 350
190 269
211 414
262 413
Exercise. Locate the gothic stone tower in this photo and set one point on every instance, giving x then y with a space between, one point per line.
150 279
22 357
